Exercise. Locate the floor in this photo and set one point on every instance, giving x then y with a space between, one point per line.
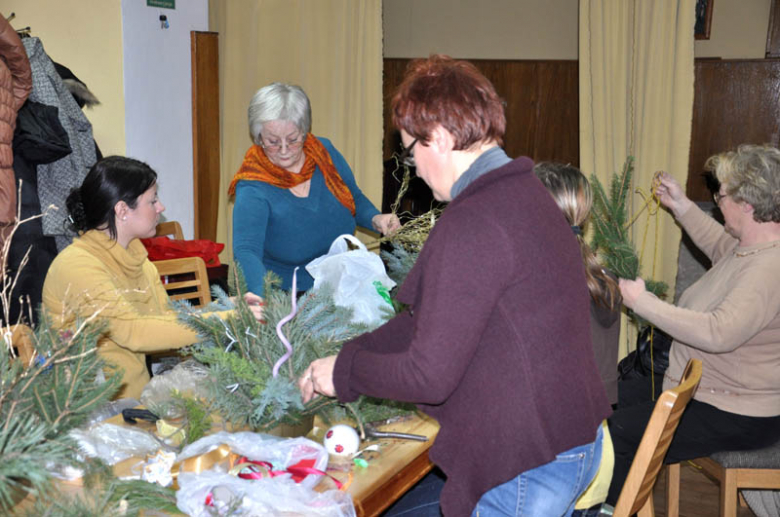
699 495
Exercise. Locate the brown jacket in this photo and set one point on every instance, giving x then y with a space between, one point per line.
15 86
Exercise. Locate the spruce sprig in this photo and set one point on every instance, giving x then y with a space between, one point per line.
609 217
241 352
108 498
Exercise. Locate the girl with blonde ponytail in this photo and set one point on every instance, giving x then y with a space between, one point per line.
571 191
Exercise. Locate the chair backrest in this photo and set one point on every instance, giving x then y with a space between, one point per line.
21 340
185 279
172 228
638 488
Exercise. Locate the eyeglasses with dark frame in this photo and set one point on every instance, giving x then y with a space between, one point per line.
406 157
718 197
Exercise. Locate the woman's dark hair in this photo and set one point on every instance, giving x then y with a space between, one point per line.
109 181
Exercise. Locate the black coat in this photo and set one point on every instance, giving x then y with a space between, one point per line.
39 138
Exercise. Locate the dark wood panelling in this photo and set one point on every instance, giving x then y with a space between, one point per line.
204 50
542 115
735 102
542 106
773 34
557 135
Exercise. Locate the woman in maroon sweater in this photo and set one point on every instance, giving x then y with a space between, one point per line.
496 342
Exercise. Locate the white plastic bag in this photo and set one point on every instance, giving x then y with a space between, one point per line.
358 278
280 452
214 493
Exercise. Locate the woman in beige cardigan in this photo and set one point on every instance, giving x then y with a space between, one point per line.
729 319
106 270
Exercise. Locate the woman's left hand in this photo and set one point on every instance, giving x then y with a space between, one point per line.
630 290
318 379
385 223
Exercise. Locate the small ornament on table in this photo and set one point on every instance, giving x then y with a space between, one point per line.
341 440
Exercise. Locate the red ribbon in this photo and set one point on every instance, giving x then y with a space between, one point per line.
299 471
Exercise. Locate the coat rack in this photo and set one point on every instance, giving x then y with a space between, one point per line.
23 33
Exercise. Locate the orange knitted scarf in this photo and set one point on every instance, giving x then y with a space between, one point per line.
257 167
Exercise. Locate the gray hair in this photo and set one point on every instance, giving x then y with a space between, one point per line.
279 101
751 174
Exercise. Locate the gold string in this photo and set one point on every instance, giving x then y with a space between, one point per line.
652 203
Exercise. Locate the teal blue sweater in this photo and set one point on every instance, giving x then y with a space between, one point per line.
277 231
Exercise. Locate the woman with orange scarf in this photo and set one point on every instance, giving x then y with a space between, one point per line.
294 193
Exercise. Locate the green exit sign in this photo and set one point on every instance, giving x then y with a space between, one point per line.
165 4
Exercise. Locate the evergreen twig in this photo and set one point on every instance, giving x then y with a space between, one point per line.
609 218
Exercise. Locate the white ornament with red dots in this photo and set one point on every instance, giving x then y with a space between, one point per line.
341 440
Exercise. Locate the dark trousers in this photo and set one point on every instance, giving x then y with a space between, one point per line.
422 500
703 430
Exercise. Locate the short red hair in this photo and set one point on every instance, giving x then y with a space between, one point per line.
451 93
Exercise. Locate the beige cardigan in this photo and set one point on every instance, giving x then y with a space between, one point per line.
729 319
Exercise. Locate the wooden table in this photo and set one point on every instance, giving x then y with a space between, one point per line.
391 471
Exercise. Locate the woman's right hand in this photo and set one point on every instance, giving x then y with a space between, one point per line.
256 305
671 194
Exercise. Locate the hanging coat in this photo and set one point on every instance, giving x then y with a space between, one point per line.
39 139
15 86
57 179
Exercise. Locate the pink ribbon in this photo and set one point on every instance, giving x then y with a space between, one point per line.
282 337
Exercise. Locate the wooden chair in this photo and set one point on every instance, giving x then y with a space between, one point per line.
170 228
637 493
733 470
21 340
185 279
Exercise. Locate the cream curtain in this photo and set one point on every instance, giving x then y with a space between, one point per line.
636 99
332 49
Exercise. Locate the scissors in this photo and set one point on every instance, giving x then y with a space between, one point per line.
372 433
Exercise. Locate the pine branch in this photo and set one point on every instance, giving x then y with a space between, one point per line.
26 455
241 353
610 227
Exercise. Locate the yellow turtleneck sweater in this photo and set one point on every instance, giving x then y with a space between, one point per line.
95 273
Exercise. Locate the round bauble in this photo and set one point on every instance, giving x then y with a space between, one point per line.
341 440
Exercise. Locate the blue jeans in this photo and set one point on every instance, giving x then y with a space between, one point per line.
549 490
562 481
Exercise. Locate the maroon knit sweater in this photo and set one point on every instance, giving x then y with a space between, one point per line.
496 342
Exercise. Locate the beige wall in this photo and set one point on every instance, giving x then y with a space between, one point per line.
739 30
542 29
488 29
85 36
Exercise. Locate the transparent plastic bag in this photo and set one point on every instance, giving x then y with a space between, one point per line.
358 278
214 493
112 408
112 443
188 378
280 452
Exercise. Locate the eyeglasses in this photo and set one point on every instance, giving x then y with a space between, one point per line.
406 157
293 145
718 197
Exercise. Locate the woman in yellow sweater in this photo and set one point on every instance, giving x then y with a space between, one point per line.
106 270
